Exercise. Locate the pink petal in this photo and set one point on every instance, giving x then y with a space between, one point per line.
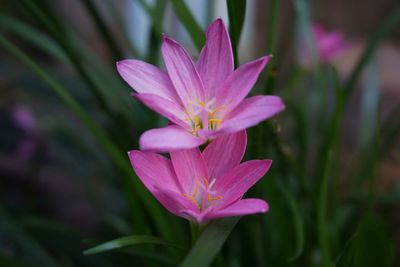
239 208
189 165
224 153
239 83
182 72
154 171
234 184
146 78
250 112
215 62
165 107
169 138
177 204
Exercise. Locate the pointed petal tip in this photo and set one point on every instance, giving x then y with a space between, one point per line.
218 21
133 153
167 39
267 163
119 64
265 59
123 62
265 207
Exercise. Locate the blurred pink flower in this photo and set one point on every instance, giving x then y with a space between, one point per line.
328 44
202 100
201 186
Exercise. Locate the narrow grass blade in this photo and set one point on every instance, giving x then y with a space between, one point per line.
327 153
369 107
103 29
273 26
346 257
33 250
284 166
156 13
48 21
129 241
209 243
156 21
119 20
236 13
187 19
385 28
369 247
272 43
130 183
27 32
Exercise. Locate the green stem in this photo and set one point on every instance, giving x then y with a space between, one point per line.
322 230
195 230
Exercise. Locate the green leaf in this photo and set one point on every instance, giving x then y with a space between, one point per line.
385 28
298 226
187 19
209 243
13 262
103 29
32 35
347 255
273 25
129 241
32 250
118 18
236 13
369 247
327 152
156 20
119 158
369 107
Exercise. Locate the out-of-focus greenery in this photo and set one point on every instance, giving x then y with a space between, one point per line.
320 216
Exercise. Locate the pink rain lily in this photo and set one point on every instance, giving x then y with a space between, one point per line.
328 44
201 186
202 99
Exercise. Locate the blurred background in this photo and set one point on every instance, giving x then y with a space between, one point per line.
67 120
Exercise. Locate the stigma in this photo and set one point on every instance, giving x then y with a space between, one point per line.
203 115
203 196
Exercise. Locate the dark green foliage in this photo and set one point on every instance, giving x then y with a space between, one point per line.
319 216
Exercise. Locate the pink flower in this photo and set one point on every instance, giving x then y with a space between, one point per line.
201 186
202 100
328 44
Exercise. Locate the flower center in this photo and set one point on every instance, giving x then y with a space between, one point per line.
204 115
203 196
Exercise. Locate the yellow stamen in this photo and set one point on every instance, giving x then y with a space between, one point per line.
194 195
212 113
210 198
205 182
214 120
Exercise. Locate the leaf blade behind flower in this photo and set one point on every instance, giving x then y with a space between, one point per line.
126 241
209 243
187 19
236 13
